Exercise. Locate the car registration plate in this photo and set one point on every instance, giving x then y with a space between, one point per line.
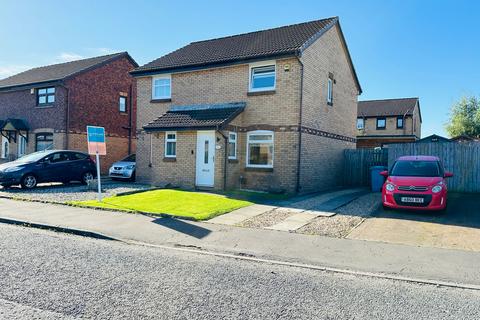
412 200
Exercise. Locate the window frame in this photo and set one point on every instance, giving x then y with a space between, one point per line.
234 157
46 95
119 104
161 77
403 122
167 140
262 64
330 91
385 126
5 141
363 124
21 142
272 142
45 134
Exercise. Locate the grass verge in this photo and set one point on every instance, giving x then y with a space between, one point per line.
195 205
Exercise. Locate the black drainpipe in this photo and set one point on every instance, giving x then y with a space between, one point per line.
225 157
130 127
297 187
67 115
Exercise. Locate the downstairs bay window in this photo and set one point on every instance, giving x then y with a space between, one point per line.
260 149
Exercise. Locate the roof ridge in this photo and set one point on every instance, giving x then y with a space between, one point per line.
263 30
389 99
69 62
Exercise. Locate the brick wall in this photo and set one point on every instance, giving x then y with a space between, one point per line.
390 129
322 158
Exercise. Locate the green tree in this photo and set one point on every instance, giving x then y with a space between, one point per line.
465 118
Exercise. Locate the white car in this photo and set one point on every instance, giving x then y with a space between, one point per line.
123 169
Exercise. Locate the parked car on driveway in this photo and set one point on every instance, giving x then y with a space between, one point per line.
416 182
123 169
47 166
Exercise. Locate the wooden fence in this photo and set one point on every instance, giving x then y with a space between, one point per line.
358 162
463 159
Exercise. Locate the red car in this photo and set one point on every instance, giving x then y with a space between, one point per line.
416 182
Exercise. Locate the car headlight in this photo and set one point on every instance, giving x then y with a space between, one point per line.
13 169
437 189
390 187
130 167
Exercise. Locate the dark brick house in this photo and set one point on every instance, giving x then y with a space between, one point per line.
49 107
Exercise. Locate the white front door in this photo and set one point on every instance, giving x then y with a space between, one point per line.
205 158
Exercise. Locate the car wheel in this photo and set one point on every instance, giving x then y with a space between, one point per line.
133 177
87 176
29 181
385 208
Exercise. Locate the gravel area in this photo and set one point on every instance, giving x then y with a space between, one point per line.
55 276
72 192
347 218
267 219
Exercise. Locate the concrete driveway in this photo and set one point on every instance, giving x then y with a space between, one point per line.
457 228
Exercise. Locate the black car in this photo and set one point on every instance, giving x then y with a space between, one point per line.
48 166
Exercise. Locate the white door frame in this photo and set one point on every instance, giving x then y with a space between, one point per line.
205 159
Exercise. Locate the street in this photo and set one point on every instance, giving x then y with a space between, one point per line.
47 275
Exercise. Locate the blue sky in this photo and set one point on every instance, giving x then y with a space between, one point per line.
423 48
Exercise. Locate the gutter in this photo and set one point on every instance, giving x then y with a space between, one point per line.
297 186
225 158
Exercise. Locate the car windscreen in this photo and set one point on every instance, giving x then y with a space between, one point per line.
405 168
130 158
32 157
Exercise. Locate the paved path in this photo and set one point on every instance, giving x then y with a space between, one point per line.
305 209
55 276
376 257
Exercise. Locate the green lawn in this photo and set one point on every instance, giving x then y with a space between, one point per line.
196 205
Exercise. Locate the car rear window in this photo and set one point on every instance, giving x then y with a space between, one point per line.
78 156
416 169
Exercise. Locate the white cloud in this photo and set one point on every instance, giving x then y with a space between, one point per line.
68 56
7 71
101 51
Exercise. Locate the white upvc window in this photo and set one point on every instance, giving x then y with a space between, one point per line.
260 149
170 144
232 145
360 123
5 148
262 76
162 87
22 146
330 91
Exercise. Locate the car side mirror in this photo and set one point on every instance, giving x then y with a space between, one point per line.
384 173
448 174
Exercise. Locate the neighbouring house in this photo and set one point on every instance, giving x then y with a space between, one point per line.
381 122
433 138
270 110
465 138
49 107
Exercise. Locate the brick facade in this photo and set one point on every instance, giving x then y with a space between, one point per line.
91 98
326 130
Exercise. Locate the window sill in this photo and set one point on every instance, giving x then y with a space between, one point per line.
161 100
44 106
261 93
254 169
232 160
168 159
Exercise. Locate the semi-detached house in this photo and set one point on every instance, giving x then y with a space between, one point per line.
270 110
49 107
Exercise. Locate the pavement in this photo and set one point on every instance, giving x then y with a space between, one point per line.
305 209
46 275
392 260
457 228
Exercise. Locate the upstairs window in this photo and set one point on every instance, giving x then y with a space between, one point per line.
399 122
162 87
381 123
170 144
360 123
122 104
45 96
260 149
262 78
330 89
232 145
